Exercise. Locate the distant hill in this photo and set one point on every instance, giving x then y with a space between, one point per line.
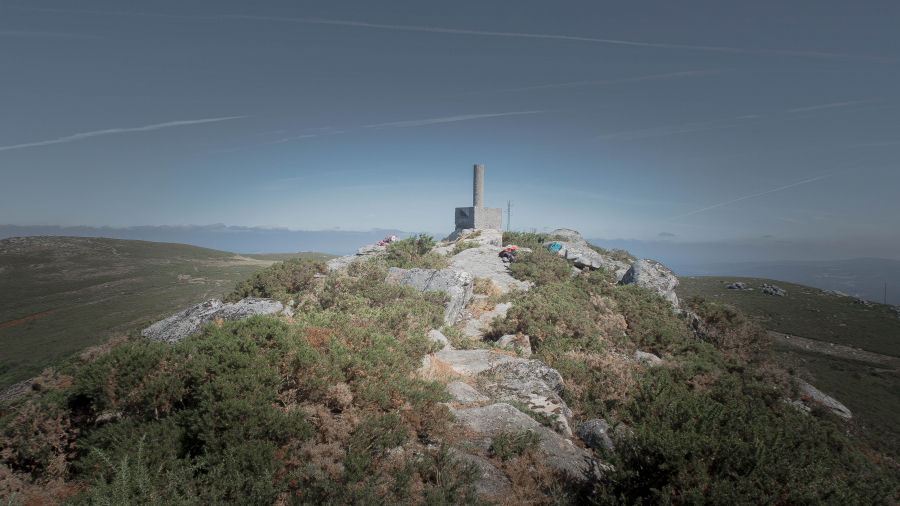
62 294
860 277
238 239
804 312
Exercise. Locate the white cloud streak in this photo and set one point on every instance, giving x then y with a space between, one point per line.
617 81
45 35
663 130
97 133
829 106
769 191
457 31
447 119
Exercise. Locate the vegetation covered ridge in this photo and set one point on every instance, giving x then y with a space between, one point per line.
328 406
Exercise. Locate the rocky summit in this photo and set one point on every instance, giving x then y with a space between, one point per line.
424 372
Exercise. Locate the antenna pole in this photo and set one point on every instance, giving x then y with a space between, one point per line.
509 205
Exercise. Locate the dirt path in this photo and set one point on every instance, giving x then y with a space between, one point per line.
32 317
838 350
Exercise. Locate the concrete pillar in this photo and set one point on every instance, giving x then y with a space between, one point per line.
478 187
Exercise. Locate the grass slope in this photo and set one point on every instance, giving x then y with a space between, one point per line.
62 294
280 257
838 320
867 384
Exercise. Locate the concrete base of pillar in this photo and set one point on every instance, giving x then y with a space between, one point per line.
479 217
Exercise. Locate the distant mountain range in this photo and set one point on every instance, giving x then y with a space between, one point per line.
221 237
860 277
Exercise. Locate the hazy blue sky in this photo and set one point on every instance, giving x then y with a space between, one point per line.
628 120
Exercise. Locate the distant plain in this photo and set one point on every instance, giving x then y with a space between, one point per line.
62 294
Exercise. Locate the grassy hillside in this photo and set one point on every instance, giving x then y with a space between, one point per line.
280 257
62 294
850 351
805 313
329 405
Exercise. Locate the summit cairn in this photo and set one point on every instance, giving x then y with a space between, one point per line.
477 217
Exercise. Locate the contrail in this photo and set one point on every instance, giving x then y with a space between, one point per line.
616 81
448 119
458 31
414 28
770 191
96 133
829 106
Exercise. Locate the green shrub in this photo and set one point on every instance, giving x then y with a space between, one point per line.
735 443
280 281
652 323
547 420
540 267
616 254
524 239
462 246
508 444
413 252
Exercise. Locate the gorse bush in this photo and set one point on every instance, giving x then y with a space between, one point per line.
314 409
280 281
462 246
415 251
506 445
253 412
734 443
540 267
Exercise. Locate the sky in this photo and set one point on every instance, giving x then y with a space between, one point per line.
774 125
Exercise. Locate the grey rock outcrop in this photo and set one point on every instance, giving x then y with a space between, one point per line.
828 402
484 262
464 394
773 290
570 235
598 434
178 326
492 483
583 256
836 293
643 356
471 362
457 284
654 276
362 254
485 236
436 336
516 342
15 391
536 385
737 286
554 450
515 379
474 326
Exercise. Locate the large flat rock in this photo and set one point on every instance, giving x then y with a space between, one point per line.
583 256
178 326
829 402
457 284
471 362
362 254
474 326
485 262
492 483
654 276
555 450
